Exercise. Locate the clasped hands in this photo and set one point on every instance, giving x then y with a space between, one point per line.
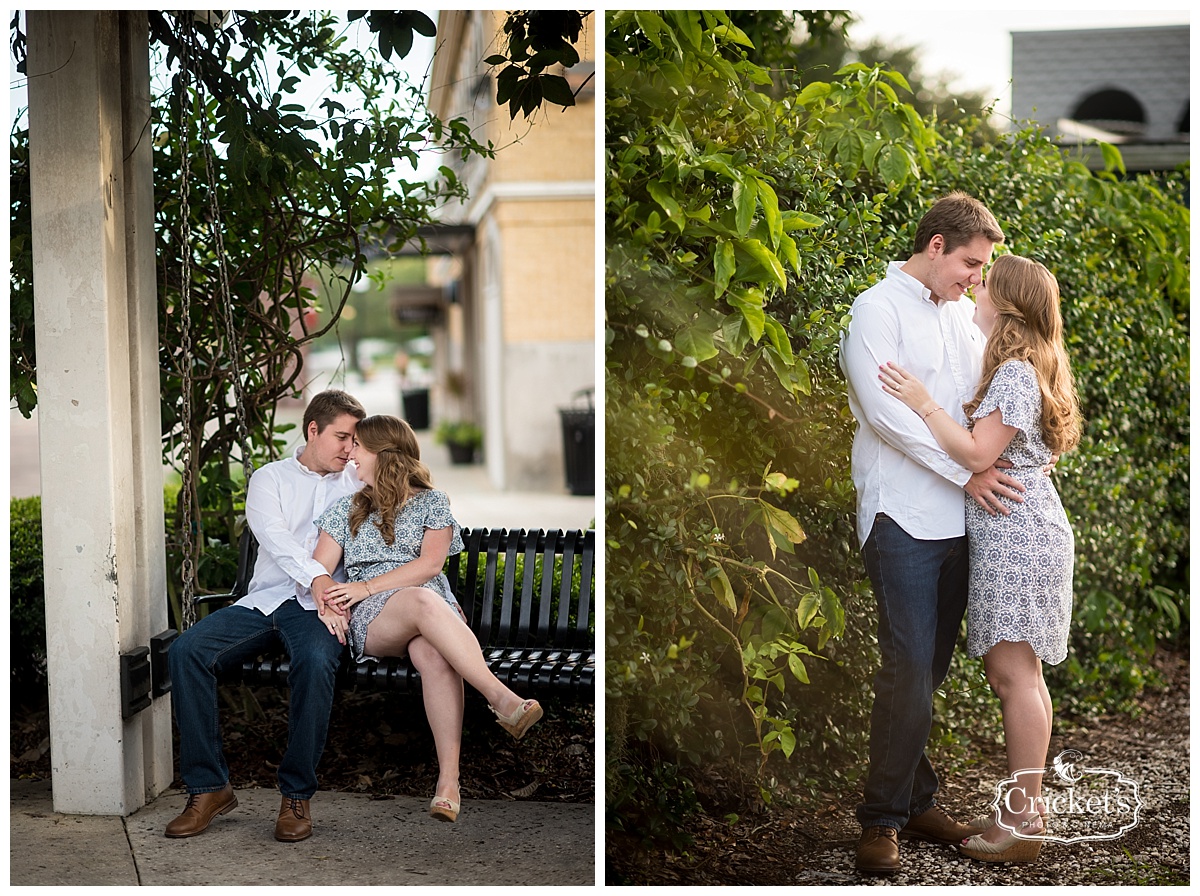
337 598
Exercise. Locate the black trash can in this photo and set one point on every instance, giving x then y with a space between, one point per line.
579 446
416 407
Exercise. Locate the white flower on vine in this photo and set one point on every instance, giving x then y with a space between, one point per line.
718 536
645 657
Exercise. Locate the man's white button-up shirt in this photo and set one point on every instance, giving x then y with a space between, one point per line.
283 502
897 466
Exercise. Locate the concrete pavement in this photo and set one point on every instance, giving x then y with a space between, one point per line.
357 841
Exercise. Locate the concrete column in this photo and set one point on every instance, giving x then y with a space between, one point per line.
495 416
98 400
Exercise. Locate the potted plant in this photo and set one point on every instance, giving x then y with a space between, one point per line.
461 437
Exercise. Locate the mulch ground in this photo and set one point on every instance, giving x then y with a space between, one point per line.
378 744
790 844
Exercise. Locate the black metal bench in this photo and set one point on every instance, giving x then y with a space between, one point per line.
527 597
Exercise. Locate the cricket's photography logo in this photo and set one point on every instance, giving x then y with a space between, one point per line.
1082 803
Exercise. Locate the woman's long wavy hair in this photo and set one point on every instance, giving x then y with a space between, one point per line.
399 473
1028 327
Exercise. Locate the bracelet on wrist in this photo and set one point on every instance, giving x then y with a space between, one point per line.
367 582
928 413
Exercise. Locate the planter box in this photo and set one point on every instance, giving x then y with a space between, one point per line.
460 453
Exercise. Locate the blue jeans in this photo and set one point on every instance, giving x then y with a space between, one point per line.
225 639
921 591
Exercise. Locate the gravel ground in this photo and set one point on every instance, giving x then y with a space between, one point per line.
788 846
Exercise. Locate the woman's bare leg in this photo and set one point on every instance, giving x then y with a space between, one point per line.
442 690
419 611
1015 674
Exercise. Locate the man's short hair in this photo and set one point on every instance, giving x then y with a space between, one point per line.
327 406
959 218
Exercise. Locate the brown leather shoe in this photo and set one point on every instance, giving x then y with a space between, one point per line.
878 851
294 822
200 810
936 826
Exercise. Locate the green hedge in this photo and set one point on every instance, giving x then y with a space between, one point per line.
27 615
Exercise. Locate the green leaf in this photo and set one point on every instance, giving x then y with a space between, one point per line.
555 89
732 33
1112 157
662 195
789 253
770 205
745 200
750 303
779 522
895 165
724 265
807 610
787 741
765 257
814 91
736 334
723 590
801 221
796 665
896 78
778 338
652 26
850 149
695 343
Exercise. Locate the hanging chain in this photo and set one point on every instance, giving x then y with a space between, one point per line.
193 99
187 487
231 342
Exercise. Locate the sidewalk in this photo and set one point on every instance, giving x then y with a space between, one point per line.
356 841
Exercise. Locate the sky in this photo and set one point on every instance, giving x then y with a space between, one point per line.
976 44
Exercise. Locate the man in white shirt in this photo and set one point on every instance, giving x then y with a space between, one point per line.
283 501
911 511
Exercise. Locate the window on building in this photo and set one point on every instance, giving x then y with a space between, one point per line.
1112 110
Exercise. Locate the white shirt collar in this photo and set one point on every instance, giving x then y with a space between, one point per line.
908 281
305 470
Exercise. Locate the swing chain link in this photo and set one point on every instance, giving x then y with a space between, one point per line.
191 509
243 433
187 487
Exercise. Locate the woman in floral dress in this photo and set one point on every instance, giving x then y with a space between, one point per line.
393 537
1026 412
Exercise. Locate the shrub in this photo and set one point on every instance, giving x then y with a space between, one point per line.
27 616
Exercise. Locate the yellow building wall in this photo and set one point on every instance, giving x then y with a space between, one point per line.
549 274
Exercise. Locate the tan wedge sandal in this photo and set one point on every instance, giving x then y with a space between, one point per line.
1022 847
443 808
522 718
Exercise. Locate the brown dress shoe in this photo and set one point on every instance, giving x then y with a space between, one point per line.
936 826
294 822
201 809
878 851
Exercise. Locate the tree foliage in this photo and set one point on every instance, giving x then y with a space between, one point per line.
827 51
537 40
278 196
739 228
